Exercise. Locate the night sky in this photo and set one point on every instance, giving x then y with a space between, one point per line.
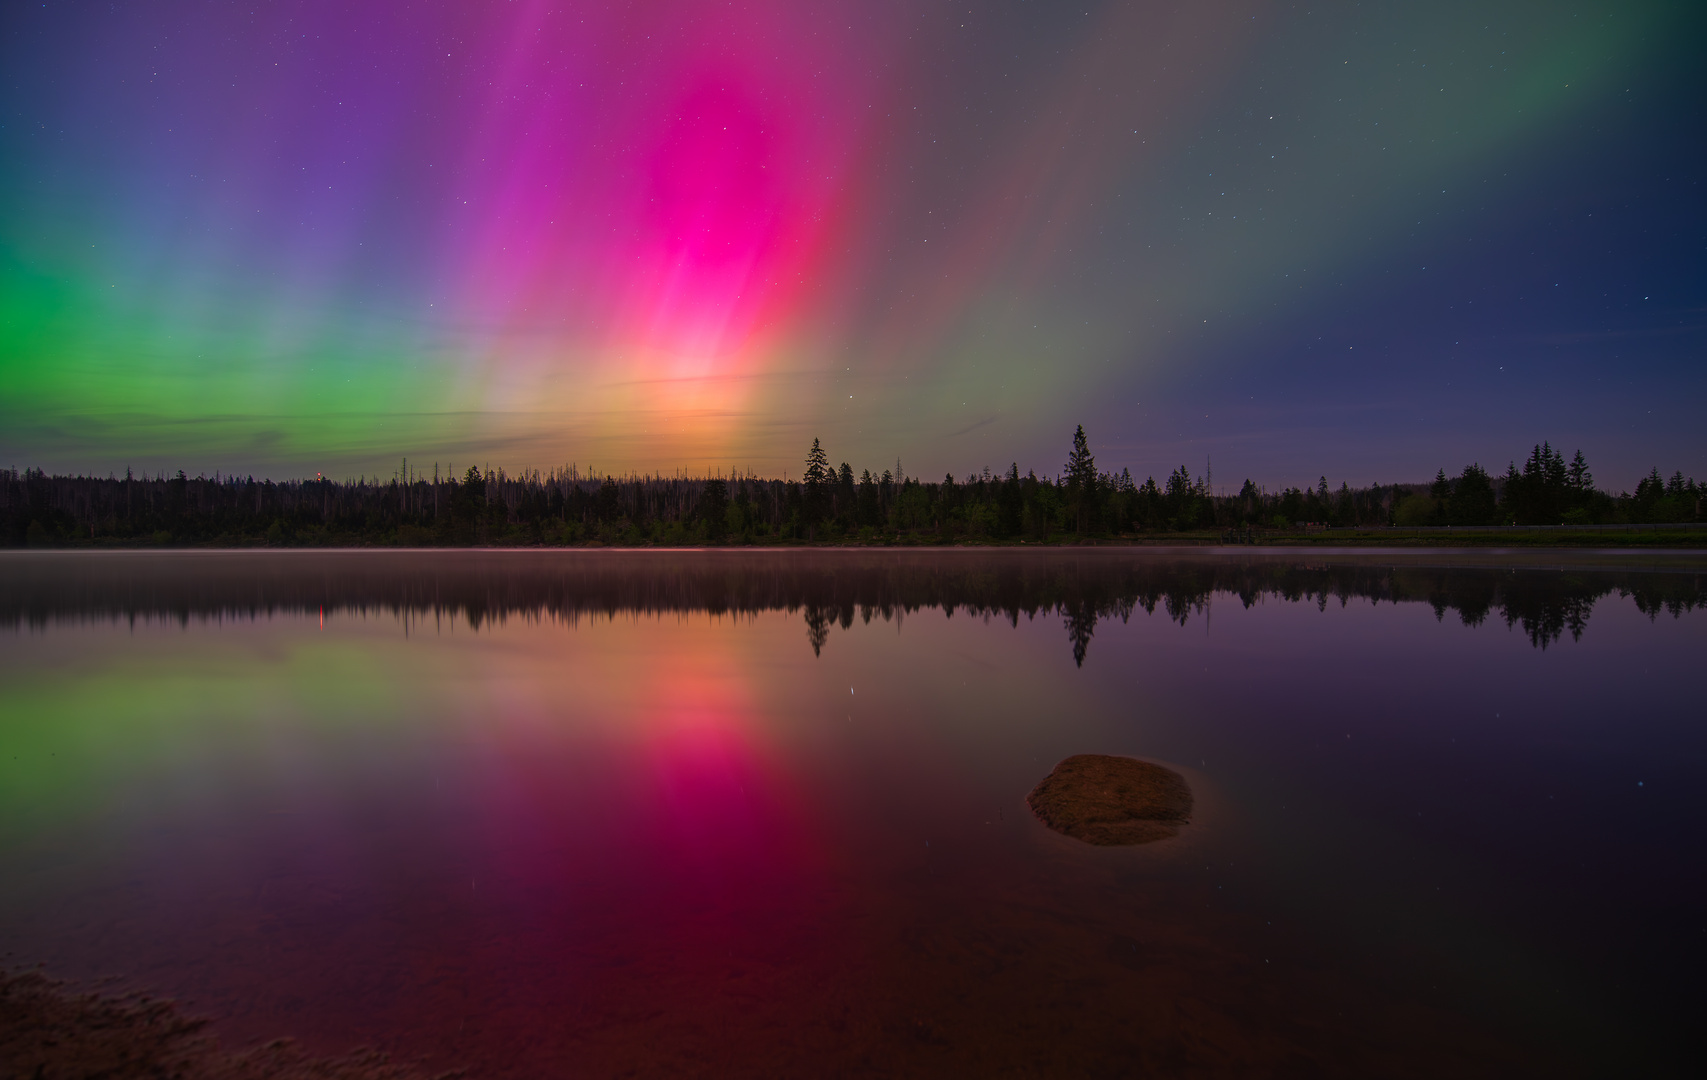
1360 240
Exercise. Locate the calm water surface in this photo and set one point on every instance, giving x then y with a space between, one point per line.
763 813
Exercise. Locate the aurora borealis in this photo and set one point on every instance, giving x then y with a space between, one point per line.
1366 240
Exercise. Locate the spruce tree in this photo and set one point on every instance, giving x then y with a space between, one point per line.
1581 481
818 472
818 477
1442 487
1081 478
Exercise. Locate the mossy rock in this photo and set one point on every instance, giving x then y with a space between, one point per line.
1112 801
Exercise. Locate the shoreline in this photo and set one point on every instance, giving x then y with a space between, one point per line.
1687 538
1581 555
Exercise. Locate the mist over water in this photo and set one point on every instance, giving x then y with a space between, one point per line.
764 812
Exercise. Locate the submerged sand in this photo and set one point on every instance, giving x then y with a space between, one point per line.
1112 801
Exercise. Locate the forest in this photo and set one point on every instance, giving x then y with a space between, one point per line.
828 504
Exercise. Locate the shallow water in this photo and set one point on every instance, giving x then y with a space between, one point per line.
760 813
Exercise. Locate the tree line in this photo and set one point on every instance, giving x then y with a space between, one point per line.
1547 491
829 503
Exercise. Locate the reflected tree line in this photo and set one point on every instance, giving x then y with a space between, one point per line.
1084 589
827 503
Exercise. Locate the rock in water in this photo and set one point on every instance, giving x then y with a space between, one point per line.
1110 801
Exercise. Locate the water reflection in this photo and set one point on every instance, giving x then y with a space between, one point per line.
762 813
1545 598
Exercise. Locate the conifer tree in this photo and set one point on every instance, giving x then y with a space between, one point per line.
818 470
1081 478
1580 480
816 480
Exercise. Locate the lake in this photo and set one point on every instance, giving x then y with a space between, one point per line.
763 812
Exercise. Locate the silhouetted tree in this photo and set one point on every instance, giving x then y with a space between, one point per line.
1577 478
1180 500
1537 495
816 482
1440 491
1081 480
469 502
